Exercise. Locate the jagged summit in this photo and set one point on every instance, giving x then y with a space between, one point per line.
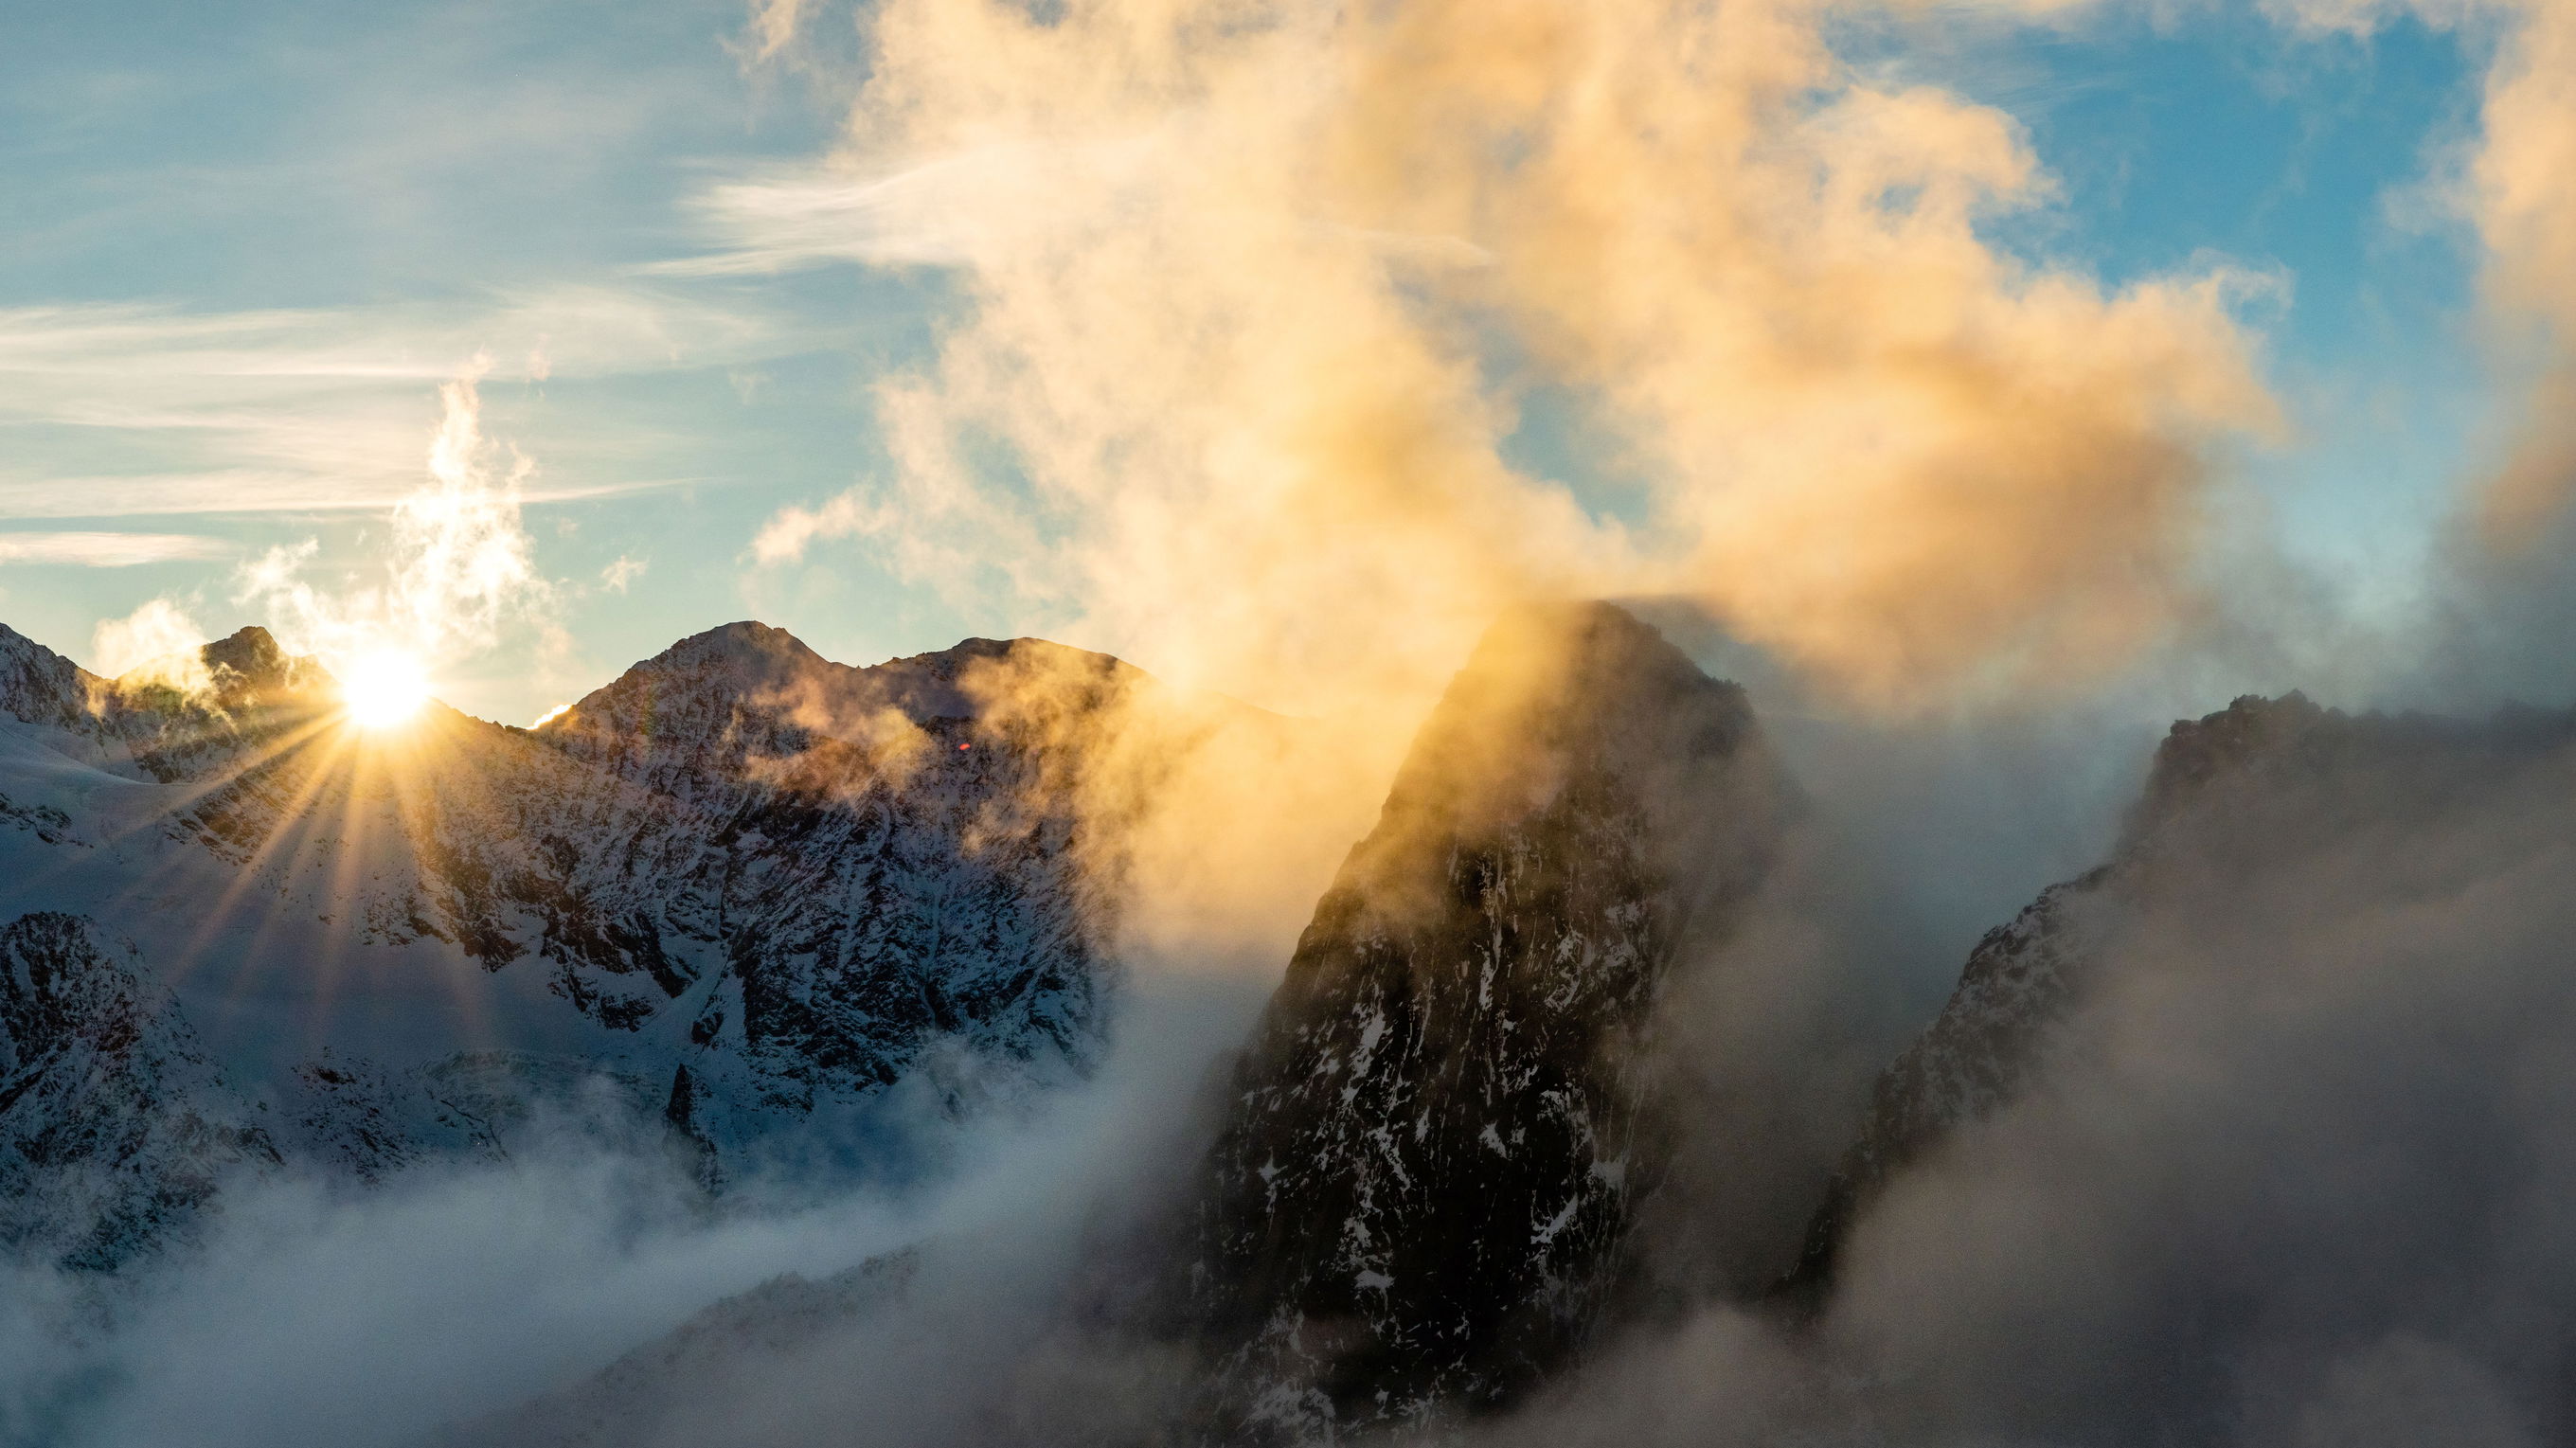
748 648
1443 1127
2286 772
249 658
245 670
751 675
179 718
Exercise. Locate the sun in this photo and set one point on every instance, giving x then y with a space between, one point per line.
384 688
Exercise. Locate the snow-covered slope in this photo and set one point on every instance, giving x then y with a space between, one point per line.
114 1125
1444 1125
740 890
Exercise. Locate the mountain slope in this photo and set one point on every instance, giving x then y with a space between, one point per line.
115 1127
795 877
712 1357
741 886
2238 804
1420 1197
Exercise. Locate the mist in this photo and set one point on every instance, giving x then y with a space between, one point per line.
311 1310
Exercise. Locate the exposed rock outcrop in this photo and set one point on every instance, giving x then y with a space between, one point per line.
115 1127
1421 1197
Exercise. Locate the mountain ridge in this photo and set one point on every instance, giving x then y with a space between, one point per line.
774 885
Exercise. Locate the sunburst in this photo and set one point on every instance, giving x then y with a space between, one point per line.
384 688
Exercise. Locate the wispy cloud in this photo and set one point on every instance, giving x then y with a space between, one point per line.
785 219
121 410
620 575
107 550
458 568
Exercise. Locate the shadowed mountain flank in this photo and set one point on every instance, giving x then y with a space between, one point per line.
2265 798
114 1125
1422 1190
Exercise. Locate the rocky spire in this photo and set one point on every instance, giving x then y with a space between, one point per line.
1444 1124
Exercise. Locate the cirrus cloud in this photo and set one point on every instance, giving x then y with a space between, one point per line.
107 550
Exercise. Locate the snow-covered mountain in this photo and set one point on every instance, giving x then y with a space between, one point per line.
736 894
114 1124
1422 1192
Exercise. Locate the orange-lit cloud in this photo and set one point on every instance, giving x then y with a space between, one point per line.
157 644
1255 299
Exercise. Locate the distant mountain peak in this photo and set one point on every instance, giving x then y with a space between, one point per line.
750 680
250 652
2199 753
744 642
2236 802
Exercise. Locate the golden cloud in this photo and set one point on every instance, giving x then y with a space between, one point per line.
1257 294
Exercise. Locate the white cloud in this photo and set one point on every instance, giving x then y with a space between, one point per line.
158 639
107 550
786 536
938 213
458 566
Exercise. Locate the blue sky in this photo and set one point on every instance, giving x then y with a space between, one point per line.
245 242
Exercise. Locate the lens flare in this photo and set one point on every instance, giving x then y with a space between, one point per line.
383 688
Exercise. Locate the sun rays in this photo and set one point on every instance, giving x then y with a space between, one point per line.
329 804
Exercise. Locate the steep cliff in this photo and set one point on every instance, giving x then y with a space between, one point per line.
1422 1193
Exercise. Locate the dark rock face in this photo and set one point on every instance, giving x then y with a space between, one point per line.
2233 799
114 1126
1421 1195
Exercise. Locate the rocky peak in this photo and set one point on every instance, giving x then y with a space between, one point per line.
249 663
2264 778
749 652
757 690
2251 734
2235 801
1444 1125
40 686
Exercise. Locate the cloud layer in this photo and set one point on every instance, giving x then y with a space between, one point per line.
1256 303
